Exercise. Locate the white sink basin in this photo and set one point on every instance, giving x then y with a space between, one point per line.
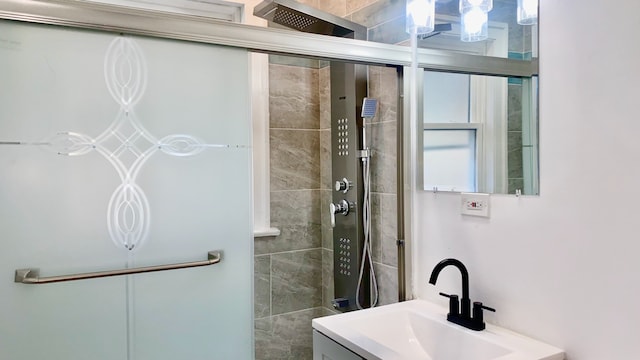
418 330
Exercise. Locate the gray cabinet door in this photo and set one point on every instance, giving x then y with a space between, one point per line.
327 349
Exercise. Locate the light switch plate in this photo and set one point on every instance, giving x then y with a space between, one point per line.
475 204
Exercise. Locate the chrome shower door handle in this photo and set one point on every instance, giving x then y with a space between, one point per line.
31 276
341 207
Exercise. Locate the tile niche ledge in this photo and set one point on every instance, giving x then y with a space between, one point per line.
266 232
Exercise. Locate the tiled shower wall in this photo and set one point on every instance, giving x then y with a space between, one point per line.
515 173
520 47
288 268
294 271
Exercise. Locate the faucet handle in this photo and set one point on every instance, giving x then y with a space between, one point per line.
477 312
342 207
454 304
479 304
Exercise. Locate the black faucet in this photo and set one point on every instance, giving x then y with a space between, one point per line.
461 314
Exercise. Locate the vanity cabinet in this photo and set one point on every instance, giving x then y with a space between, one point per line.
327 349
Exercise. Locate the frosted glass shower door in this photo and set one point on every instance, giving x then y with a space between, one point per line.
119 152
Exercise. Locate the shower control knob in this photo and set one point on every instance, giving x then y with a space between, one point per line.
343 185
342 207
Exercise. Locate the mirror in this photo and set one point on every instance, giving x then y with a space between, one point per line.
480 133
501 111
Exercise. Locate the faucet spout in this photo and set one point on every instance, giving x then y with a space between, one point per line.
463 270
461 314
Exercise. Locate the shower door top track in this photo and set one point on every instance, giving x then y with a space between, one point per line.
199 29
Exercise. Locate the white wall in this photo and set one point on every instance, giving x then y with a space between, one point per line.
563 267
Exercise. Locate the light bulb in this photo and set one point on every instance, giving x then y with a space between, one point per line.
421 15
474 25
474 19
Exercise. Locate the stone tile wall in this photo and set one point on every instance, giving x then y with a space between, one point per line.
515 175
288 268
326 187
339 7
383 85
294 271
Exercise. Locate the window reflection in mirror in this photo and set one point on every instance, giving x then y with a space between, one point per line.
479 134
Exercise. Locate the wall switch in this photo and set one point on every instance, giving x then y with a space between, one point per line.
475 204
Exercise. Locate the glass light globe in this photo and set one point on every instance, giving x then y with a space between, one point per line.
485 5
421 15
474 25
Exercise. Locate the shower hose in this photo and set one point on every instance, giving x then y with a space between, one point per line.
366 249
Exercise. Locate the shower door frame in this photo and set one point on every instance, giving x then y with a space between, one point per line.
135 21
158 24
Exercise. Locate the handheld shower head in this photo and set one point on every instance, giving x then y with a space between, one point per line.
369 108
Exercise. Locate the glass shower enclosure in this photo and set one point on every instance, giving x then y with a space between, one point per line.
125 197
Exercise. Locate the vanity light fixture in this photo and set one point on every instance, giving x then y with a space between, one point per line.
421 15
474 21
474 16
485 5
527 12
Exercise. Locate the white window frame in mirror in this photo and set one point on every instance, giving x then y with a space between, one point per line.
530 135
479 156
489 121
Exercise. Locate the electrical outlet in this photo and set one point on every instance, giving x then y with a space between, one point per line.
475 204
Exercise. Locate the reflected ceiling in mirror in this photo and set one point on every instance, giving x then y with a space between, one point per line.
385 21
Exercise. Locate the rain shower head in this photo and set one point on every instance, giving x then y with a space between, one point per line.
293 15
